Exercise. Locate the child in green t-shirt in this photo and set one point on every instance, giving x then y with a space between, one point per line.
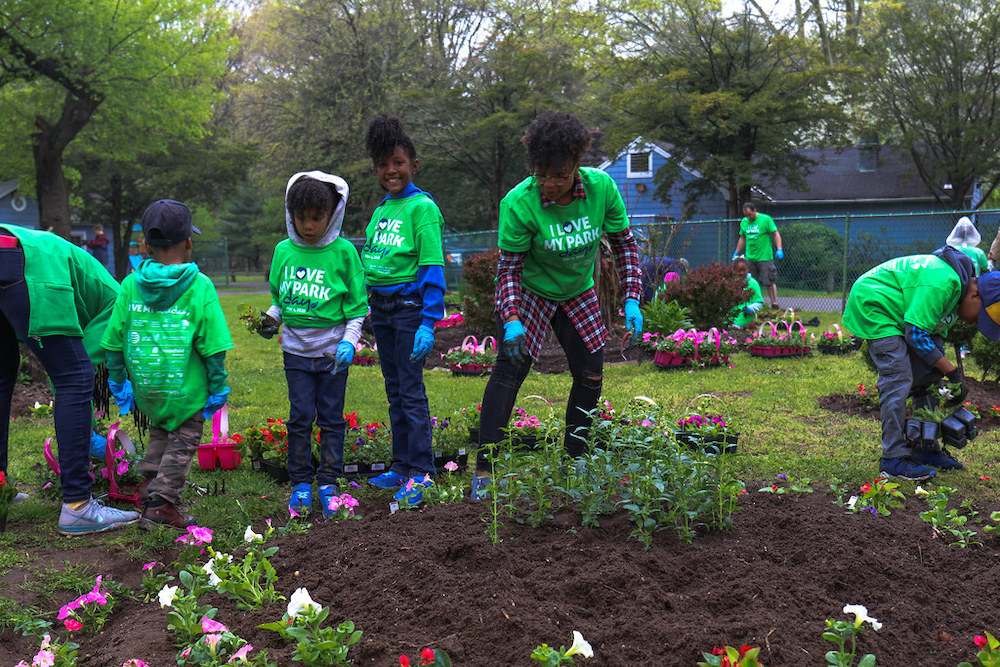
745 313
317 290
404 269
904 308
168 334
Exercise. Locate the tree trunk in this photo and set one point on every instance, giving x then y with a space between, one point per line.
119 244
49 142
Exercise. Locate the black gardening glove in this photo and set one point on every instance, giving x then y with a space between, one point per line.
957 377
268 327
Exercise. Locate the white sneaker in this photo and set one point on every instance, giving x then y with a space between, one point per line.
94 517
19 498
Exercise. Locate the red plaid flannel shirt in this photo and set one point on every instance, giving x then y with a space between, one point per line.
583 310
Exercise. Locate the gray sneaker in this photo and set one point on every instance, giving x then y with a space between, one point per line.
94 517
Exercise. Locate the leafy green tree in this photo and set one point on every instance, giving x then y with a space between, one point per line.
732 97
934 84
133 75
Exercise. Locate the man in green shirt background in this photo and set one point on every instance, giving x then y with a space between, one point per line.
757 233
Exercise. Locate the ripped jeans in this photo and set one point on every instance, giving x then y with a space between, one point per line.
587 369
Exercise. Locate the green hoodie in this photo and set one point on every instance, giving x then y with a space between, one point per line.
70 292
167 323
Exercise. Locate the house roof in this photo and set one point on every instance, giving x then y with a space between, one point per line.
7 187
837 177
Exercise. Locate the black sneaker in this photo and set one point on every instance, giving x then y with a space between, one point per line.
905 467
941 460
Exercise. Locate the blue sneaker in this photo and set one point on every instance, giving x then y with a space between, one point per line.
941 460
301 500
388 480
905 467
326 494
481 487
413 493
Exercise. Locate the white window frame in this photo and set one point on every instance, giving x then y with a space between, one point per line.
630 173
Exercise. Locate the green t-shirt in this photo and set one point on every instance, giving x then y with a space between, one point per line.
403 235
318 287
921 290
740 318
561 242
164 349
70 292
758 237
977 256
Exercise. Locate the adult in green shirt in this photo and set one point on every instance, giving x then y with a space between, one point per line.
965 238
757 234
904 308
56 299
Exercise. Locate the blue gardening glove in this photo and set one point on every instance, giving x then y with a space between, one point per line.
735 255
779 254
633 317
515 344
423 341
754 307
215 401
122 392
345 355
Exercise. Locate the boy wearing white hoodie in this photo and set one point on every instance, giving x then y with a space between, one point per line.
318 292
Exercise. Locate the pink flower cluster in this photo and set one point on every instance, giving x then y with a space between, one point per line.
196 536
343 502
45 656
701 421
67 610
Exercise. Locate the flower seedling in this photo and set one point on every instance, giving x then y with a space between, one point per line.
90 611
315 646
217 646
53 653
839 632
950 522
429 657
989 651
730 656
876 498
445 489
787 484
551 657
185 616
343 507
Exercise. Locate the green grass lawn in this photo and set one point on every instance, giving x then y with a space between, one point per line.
774 401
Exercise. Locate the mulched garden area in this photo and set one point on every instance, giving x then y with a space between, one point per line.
431 578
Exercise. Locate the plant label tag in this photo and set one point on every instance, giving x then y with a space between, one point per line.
378 467
393 507
350 467
461 452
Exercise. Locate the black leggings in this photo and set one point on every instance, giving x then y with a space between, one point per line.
501 391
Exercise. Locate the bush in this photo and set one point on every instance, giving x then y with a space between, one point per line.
711 291
478 300
987 355
665 317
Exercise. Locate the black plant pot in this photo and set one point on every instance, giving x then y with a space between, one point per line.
922 434
953 431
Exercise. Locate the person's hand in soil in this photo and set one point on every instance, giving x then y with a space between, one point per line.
423 342
514 342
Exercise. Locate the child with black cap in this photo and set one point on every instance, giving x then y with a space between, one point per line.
903 308
167 332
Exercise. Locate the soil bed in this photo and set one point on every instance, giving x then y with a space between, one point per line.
430 577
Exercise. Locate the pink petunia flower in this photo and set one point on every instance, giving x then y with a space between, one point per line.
208 625
149 566
451 466
44 658
241 654
212 639
72 624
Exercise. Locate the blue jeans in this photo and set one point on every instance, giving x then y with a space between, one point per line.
70 372
899 370
395 320
587 369
315 395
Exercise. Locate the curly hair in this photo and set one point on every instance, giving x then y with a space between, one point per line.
554 139
307 193
385 132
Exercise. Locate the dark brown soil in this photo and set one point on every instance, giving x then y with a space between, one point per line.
430 578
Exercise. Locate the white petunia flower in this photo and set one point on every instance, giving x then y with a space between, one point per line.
861 615
167 595
301 602
209 569
250 536
580 646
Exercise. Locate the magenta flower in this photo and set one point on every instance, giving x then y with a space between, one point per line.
149 566
241 655
72 624
208 625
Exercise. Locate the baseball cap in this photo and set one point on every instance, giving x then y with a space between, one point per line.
167 222
989 312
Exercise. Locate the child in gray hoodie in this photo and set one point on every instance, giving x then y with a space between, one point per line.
318 292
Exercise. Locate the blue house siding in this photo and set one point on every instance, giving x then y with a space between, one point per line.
10 202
